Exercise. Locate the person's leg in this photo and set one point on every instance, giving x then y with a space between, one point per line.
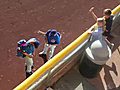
29 66
43 54
46 47
51 52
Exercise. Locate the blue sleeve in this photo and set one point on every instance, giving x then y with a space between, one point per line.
47 33
58 34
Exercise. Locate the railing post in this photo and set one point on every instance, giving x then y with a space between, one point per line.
48 78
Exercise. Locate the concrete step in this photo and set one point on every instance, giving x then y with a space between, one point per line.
73 81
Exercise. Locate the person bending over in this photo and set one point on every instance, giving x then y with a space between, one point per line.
52 39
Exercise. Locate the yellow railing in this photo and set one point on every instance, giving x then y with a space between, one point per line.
51 63
116 10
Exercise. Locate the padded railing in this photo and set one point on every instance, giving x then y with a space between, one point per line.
57 58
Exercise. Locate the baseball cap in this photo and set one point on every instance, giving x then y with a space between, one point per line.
100 19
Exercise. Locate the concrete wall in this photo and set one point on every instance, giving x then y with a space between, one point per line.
116 25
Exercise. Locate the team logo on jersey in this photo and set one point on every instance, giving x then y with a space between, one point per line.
53 41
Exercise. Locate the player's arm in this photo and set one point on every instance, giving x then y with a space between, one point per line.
31 56
41 32
93 14
60 35
44 34
90 31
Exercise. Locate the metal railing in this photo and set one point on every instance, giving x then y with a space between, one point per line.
57 58
60 69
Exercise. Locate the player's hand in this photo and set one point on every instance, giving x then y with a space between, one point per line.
89 31
91 9
31 56
38 32
41 32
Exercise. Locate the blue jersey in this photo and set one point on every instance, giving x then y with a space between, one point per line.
26 47
29 49
53 37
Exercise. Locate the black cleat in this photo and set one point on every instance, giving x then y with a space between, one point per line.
28 74
49 88
44 56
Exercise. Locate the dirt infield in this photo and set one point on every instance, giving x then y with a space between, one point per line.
23 18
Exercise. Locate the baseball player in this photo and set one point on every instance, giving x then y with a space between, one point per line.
52 39
27 51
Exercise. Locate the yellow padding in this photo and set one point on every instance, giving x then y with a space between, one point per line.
116 10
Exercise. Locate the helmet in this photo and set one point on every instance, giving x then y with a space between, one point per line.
35 41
